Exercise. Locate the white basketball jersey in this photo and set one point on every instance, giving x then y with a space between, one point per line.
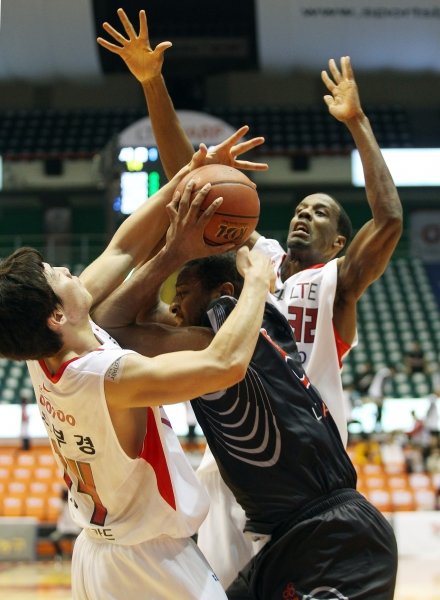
114 497
306 300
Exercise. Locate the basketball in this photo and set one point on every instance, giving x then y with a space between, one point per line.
237 216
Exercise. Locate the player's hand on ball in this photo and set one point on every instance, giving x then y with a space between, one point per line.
185 236
237 217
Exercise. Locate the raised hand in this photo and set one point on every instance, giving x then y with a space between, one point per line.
226 152
135 50
255 263
187 223
343 103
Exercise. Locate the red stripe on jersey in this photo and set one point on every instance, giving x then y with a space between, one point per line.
55 377
153 453
341 347
270 340
317 266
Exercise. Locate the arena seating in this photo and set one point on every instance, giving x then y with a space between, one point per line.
74 133
306 130
392 490
397 309
30 483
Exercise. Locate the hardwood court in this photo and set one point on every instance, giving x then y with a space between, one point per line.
417 579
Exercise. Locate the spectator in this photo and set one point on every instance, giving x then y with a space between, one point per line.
433 461
414 359
66 528
420 438
378 390
432 416
363 379
24 431
413 458
367 450
391 448
435 378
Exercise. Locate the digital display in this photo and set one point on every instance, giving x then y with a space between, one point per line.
141 175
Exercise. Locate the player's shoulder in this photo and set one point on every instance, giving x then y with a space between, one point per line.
218 311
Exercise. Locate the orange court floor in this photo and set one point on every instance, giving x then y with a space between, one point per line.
417 579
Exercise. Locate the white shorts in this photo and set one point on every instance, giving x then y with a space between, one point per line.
220 536
160 569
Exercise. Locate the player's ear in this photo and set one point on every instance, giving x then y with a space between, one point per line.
339 242
56 319
227 289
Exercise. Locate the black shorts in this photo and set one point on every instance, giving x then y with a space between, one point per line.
338 548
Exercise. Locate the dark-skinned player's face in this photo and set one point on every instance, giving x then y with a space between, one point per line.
313 228
191 299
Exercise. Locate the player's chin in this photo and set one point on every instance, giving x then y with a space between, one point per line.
295 242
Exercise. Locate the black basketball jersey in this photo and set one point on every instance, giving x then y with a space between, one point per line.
276 444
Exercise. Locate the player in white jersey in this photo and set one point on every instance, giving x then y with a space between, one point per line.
121 503
318 233
130 486
306 300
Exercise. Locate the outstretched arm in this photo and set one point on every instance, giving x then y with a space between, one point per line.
371 249
145 63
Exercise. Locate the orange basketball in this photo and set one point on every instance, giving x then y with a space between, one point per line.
237 216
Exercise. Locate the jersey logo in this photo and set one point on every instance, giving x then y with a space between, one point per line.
324 592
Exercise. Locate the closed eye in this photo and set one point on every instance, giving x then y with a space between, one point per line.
181 293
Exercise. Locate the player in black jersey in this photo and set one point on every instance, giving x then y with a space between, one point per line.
280 452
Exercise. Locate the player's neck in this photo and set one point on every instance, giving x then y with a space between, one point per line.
78 341
293 264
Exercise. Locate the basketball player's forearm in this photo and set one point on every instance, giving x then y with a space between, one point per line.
238 336
175 148
132 244
138 295
381 191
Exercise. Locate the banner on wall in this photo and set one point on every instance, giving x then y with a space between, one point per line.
304 34
199 127
425 235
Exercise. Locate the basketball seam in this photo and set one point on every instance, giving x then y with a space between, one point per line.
226 182
232 215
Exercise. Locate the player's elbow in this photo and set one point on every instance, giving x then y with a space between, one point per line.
390 227
237 371
395 215
394 225
231 369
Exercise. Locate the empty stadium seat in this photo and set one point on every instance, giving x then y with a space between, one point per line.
402 499
79 133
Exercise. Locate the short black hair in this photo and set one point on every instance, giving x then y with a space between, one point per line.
212 271
344 225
